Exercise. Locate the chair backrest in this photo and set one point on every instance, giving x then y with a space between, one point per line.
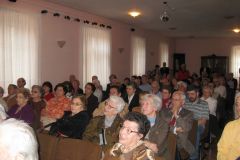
47 146
171 145
74 149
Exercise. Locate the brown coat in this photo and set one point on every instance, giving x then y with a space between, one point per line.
185 121
95 127
158 135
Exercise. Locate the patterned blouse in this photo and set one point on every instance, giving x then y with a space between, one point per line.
56 106
139 152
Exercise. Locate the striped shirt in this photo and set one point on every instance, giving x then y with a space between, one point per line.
199 108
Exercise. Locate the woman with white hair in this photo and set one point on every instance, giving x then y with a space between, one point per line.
17 141
228 145
157 136
103 130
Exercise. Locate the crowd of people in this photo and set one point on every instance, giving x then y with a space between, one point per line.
133 119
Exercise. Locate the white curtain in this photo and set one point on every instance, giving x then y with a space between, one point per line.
96 49
164 52
19 35
138 55
235 61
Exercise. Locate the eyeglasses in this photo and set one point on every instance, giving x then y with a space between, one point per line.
109 105
128 130
76 104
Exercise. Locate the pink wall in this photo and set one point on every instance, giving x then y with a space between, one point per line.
197 47
58 63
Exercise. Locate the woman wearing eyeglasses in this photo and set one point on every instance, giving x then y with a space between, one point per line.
74 122
103 130
131 145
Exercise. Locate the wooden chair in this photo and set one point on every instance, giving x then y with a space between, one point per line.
47 146
171 145
74 149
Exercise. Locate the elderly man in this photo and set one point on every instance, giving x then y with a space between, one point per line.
17 141
200 110
157 136
180 122
103 130
156 89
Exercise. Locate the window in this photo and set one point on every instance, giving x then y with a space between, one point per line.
96 54
235 61
138 55
164 52
18 47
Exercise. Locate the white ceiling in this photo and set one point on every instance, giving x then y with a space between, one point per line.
191 18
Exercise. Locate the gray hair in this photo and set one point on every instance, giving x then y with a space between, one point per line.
236 114
181 94
18 138
181 83
118 101
155 100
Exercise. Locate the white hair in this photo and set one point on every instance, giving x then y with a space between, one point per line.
118 101
156 101
181 83
18 139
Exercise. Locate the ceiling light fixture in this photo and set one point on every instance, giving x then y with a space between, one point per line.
134 13
236 30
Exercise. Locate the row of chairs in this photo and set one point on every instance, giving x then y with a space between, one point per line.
59 148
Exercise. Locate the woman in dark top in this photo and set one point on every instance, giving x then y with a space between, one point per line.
92 101
74 122
38 104
22 110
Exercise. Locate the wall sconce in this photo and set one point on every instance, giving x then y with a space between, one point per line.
120 50
61 43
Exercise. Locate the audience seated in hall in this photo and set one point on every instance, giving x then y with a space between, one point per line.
180 122
200 111
48 90
56 106
114 91
11 98
76 87
38 104
131 144
166 97
132 97
74 122
22 110
145 86
92 101
156 138
156 88
103 130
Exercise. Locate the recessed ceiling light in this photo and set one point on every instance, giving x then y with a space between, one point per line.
236 30
134 13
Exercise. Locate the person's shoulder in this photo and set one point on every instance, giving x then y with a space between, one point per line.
202 102
143 153
232 124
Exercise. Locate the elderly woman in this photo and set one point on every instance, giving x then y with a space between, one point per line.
131 145
103 130
228 145
56 106
74 122
157 136
38 104
22 111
